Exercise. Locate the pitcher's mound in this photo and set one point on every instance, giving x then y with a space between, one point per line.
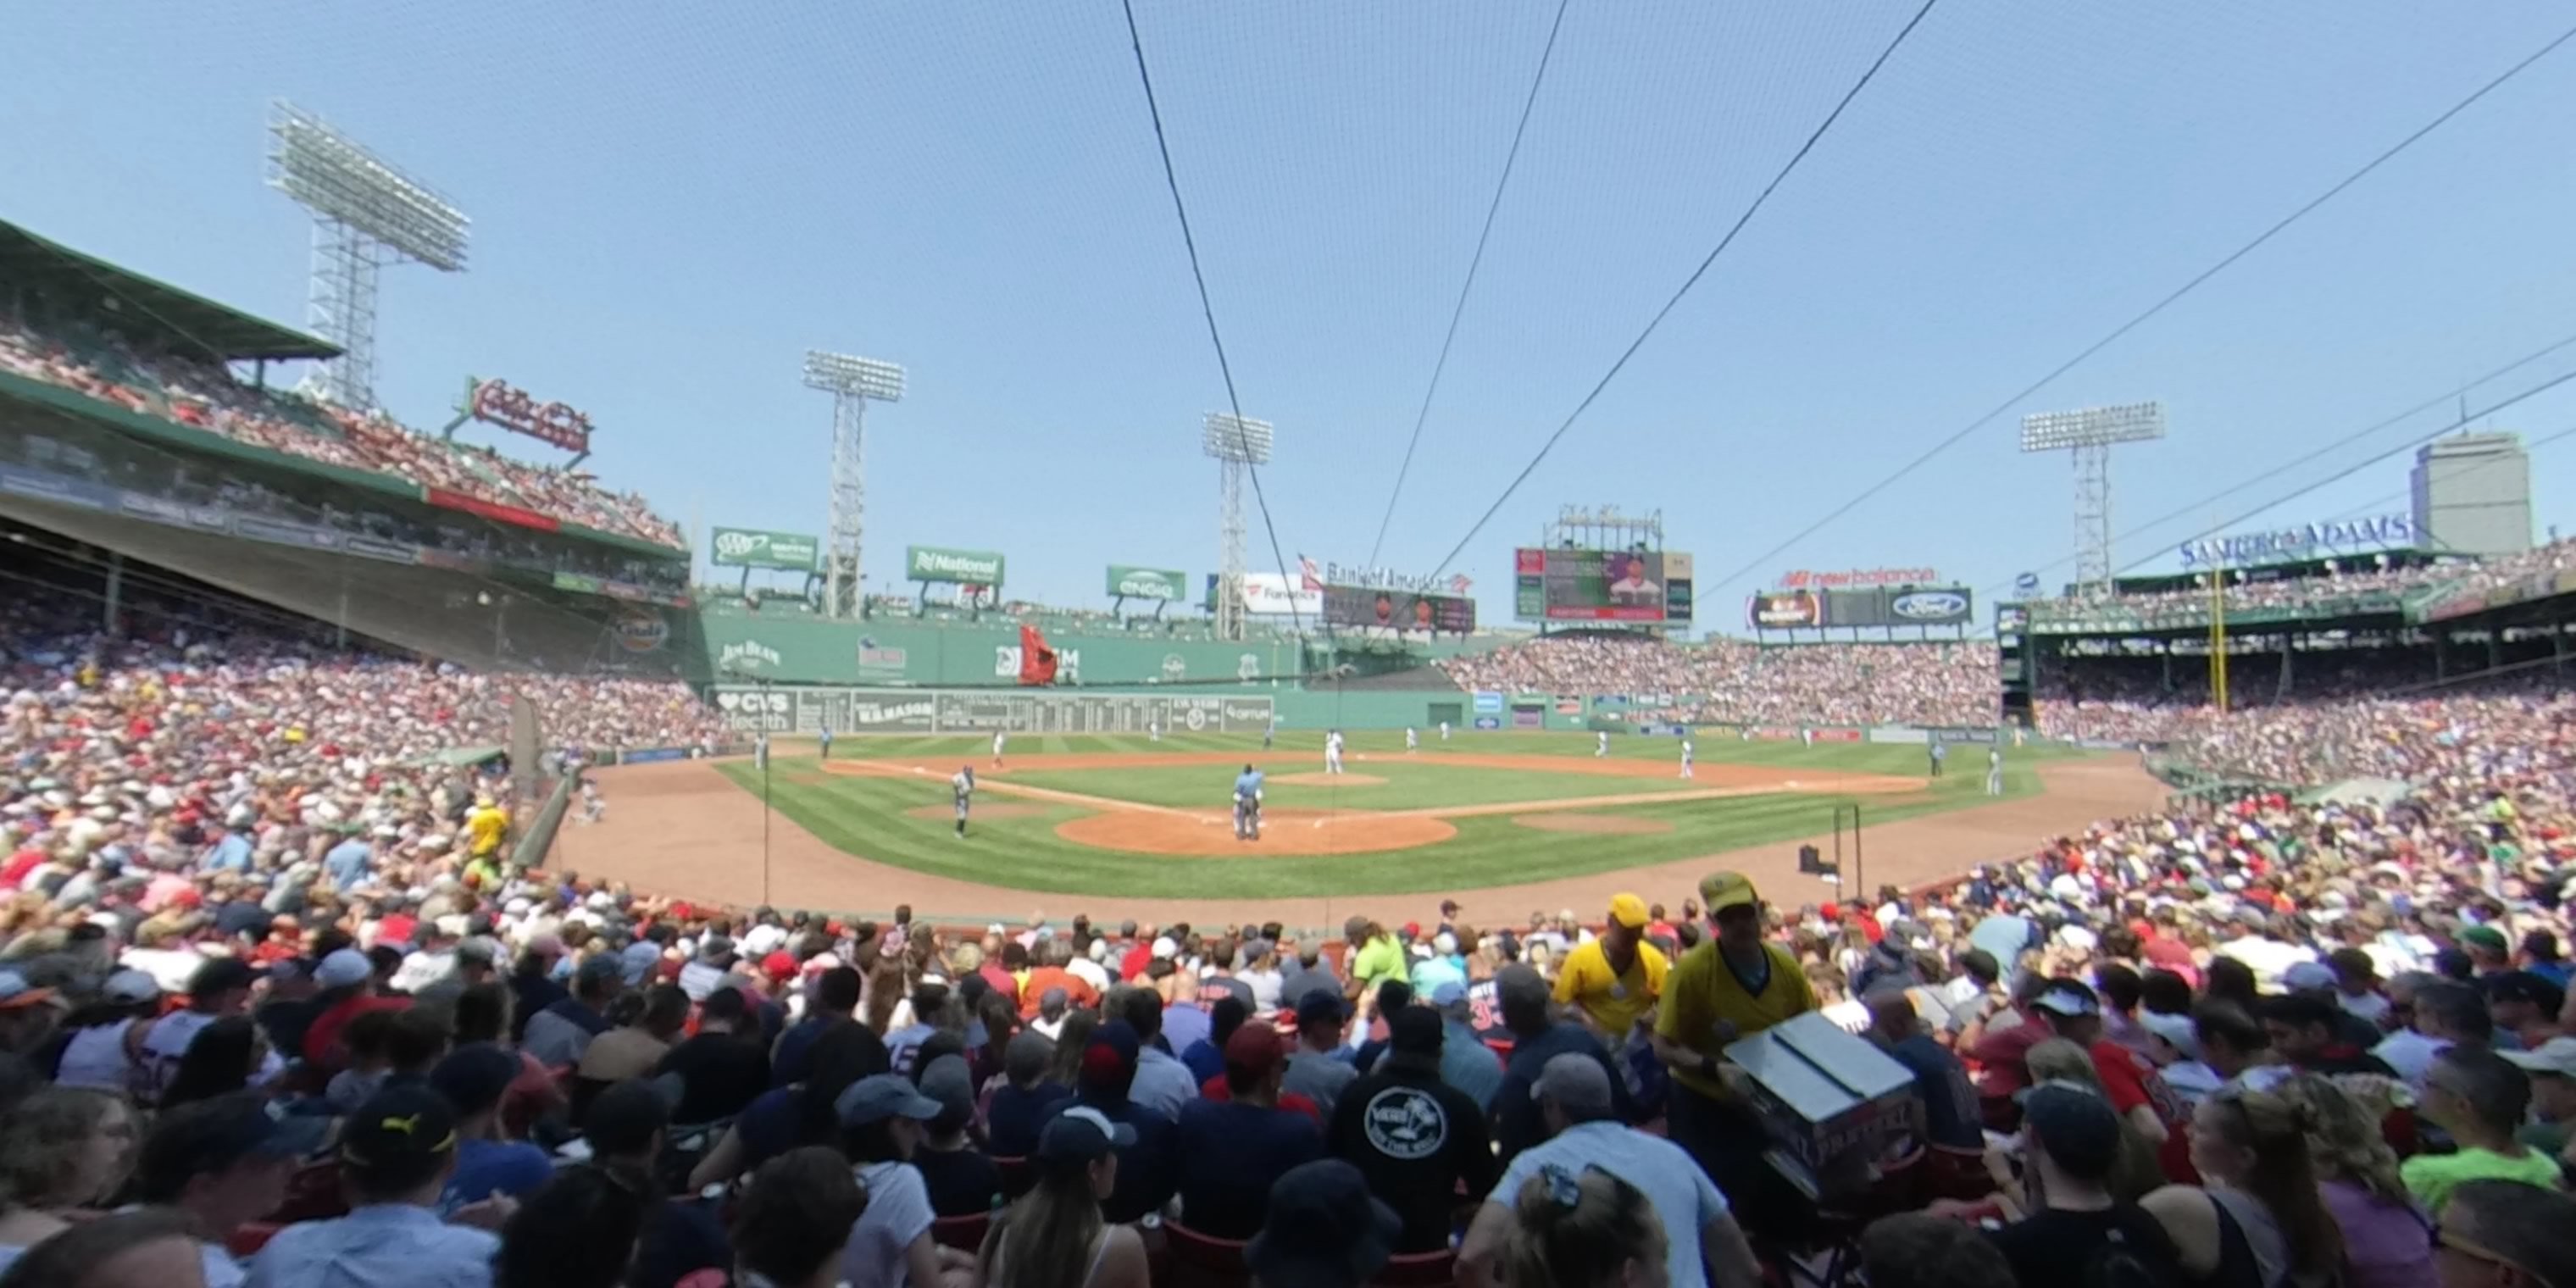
1318 778
1283 831
1593 824
998 809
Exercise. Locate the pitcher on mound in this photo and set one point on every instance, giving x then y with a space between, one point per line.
1333 752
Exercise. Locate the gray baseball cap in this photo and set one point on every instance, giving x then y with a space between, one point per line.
880 1096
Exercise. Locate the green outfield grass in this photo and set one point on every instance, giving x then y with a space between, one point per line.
867 816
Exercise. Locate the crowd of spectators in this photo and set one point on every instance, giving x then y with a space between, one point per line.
271 991
1739 682
206 396
2437 580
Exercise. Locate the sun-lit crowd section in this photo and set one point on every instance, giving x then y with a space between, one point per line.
206 396
268 969
1735 682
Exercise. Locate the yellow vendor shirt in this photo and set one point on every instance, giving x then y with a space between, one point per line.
1613 1001
484 829
1702 991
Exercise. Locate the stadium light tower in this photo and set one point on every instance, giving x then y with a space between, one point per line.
2088 435
851 382
1237 444
366 215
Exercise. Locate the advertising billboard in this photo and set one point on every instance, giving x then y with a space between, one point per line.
1602 585
1796 609
753 548
1130 582
938 563
1268 594
1403 610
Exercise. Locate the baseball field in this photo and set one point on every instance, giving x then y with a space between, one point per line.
1129 822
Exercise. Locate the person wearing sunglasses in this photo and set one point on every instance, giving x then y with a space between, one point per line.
2505 1234
2479 1097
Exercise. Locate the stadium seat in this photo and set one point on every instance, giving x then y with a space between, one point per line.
964 1233
314 1193
1419 1270
1950 1172
246 1240
1018 1177
1205 1261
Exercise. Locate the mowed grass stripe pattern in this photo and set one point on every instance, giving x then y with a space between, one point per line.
866 816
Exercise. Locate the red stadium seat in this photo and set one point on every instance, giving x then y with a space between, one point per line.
246 1240
964 1233
1419 1270
1205 1261
1018 1177
1954 1173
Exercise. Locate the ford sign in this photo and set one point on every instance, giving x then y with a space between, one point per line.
1930 606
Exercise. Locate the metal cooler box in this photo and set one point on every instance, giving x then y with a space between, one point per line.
1825 1094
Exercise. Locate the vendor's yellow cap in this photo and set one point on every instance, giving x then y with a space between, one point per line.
1727 890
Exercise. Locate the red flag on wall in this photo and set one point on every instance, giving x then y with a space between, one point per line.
1037 660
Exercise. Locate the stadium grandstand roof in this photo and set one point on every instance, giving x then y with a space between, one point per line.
178 318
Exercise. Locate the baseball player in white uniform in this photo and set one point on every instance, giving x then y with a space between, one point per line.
1333 752
961 786
1444 731
1687 749
1601 744
1994 771
1807 736
1153 731
1412 740
999 738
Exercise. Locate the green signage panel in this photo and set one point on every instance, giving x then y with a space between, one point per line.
1146 583
753 548
938 563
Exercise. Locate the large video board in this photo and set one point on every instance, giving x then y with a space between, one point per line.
1403 610
1602 585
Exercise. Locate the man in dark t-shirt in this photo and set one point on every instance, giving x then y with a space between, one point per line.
723 1068
1233 1150
2073 1140
1418 1140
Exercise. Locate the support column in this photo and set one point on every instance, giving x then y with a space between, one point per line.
115 591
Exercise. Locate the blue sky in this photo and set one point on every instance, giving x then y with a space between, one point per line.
673 201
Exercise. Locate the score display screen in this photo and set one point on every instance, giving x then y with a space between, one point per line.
1602 585
1403 610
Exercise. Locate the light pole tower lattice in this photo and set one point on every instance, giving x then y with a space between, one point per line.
366 215
2088 436
1237 444
851 381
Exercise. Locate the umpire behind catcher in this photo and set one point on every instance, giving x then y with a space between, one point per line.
1247 805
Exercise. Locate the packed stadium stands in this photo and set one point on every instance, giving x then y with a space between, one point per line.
105 366
213 784
1736 682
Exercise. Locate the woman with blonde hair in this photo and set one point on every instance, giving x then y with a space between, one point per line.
2137 1172
1055 1236
2387 1243
2256 1220
62 1148
1584 1230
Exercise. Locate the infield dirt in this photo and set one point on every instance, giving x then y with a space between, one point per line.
683 829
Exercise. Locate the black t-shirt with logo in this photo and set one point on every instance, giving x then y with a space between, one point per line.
1415 1138
2054 1247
